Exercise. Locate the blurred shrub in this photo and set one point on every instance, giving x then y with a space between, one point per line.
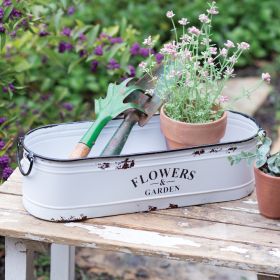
253 21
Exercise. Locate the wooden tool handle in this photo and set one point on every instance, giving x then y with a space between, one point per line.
118 140
81 151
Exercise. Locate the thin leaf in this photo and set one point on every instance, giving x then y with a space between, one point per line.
92 35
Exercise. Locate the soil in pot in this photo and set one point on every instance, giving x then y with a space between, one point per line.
268 194
182 135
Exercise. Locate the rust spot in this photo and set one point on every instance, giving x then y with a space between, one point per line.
215 150
231 149
172 206
69 219
103 165
125 164
152 208
198 152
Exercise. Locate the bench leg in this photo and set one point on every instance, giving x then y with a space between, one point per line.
264 276
18 260
62 262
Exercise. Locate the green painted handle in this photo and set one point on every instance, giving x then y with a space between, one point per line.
93 132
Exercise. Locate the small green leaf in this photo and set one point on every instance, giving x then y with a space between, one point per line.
92 35
2 40
64 3
73 64
57 20
8 12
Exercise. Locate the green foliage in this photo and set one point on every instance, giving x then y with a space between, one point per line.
256 22
266 162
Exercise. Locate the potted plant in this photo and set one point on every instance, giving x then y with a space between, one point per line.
195 74
267 176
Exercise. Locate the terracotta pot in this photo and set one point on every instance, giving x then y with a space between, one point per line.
182 135
268 194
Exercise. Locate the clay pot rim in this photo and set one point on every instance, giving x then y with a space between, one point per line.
194 124
266 175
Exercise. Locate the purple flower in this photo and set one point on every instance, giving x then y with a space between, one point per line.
132 71
134 50
4 161
64 46
7 3
66 31
71 10
98 50
94 65
113 64
82 53
82 37
159 57
1 13
2 144
144 52
45 97
7 171
2 120
67 106
116 40
43 33
2 28
15 13
11 87
13 34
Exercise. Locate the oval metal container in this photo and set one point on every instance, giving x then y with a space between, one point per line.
145 177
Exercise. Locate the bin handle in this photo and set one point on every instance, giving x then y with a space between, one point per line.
29 156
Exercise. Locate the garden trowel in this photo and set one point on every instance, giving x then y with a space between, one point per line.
149 104
106 109
125 97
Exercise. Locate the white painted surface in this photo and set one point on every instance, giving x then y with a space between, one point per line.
235 249
247 210
97 187
18 260
134 236
62 262
250 201
275 252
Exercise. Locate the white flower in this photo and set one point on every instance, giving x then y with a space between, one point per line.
229 44
243 46
232 59
170 14
169 48
229 72
194 30
210 61
224 52
223 99
213 50
183 21
204 18
266 77
143 66
148 41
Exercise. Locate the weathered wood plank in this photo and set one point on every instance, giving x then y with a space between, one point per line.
124 239
262 276
174 225
224 214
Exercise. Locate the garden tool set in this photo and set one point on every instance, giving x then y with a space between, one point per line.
126 98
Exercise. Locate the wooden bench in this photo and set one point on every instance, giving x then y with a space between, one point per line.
229 234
